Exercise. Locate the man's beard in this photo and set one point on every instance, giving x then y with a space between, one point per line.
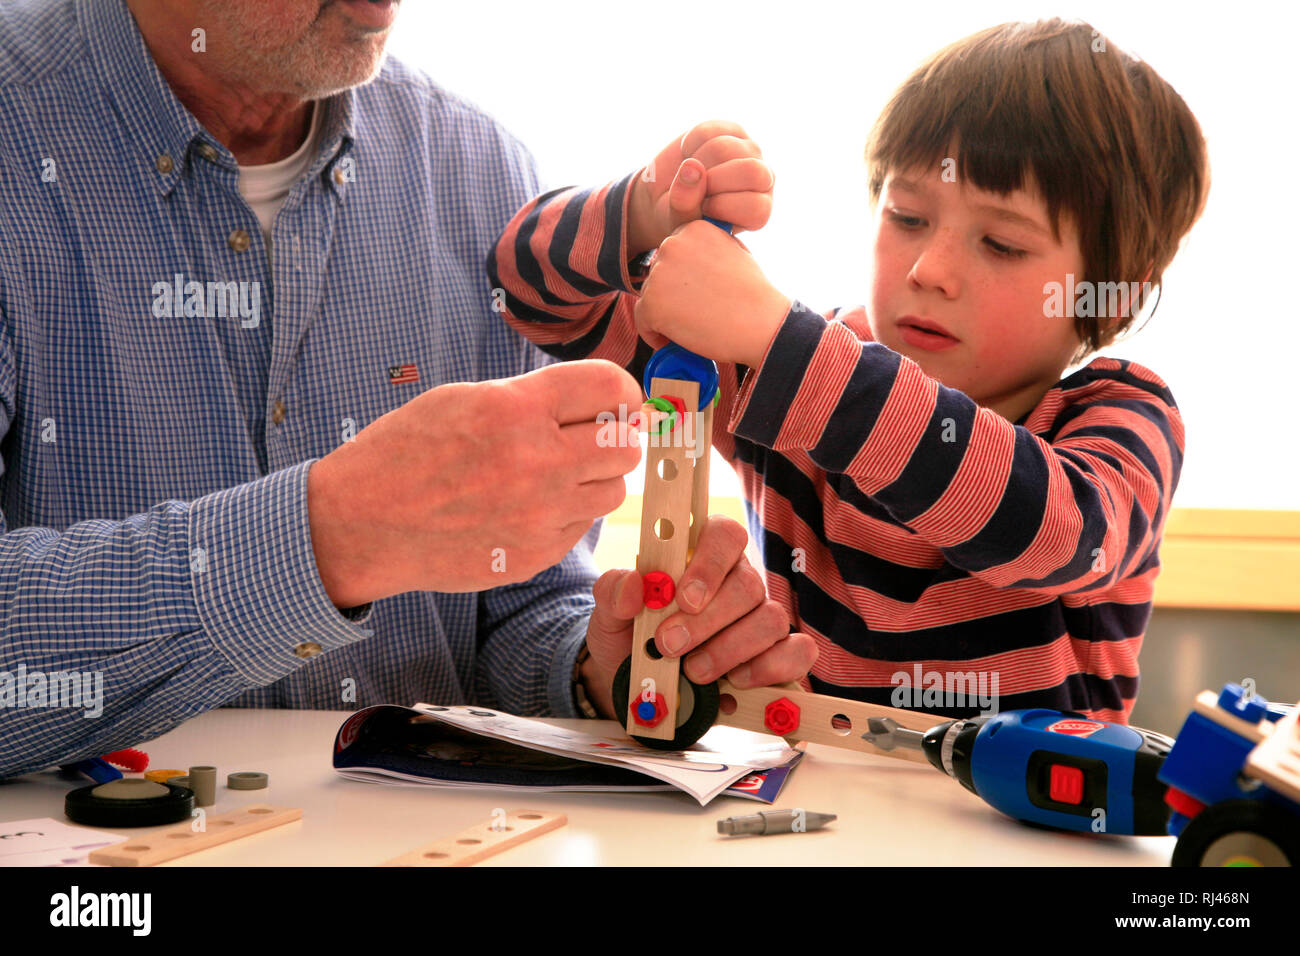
311 67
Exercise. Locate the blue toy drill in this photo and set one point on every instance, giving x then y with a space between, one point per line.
1048 767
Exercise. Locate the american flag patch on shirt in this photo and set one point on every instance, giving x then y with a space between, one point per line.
401 374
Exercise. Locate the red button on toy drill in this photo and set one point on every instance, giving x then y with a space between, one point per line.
1066 784
657 590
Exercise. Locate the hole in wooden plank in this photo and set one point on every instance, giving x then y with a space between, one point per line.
530 816
179 836
260 810
652 650
135 849
841 725
469 841
727 704
667 469
663 529
434 856
222 823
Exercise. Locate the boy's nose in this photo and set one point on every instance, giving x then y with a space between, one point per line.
937 265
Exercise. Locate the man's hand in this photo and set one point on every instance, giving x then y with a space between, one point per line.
715 170
706 293
470 486
724 623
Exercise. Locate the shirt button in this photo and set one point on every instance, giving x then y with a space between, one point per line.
164 164
307 649
338 176
277 412
208 153
237 240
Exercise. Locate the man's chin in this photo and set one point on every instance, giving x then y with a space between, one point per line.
337 77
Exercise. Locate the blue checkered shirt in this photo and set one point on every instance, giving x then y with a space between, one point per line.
155 467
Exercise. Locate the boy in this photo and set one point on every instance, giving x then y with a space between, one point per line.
958 527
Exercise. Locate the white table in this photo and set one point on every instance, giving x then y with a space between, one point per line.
891 812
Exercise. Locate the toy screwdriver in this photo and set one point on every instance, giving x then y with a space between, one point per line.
1048 767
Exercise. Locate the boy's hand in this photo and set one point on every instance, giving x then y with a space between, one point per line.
725 626
706 293
714 170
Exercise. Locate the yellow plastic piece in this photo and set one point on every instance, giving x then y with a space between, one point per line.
162 776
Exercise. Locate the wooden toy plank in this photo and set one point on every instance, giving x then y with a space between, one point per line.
700 473
669 499
1276 761
181 840
815 714
482 841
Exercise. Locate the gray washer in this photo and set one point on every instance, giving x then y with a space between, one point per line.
247 780
203 781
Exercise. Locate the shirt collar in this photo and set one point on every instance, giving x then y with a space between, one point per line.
157 120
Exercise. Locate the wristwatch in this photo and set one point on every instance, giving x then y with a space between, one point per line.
580 692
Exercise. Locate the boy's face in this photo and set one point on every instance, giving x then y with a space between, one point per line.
973 263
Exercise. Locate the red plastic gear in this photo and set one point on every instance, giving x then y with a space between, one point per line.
132 761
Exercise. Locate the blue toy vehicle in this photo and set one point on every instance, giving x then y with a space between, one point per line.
1234 783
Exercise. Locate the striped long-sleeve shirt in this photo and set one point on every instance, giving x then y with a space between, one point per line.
939 554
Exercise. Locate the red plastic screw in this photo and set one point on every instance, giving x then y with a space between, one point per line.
781 716
661 710
657 590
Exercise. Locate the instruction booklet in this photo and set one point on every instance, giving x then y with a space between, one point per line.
475 747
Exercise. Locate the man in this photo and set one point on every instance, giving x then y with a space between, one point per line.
263 446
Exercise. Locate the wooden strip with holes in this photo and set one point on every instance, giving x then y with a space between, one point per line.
483 840
181 840
816 712
700 473
663 499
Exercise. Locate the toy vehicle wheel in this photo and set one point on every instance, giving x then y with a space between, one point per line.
697 709
1240 833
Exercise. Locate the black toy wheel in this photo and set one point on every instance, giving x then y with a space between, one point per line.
697 709
1240 833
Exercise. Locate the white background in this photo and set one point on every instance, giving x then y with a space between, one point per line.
597 88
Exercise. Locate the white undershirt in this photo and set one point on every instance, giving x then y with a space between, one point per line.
265 187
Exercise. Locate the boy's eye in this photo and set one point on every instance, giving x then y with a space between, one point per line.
1006 252
907 222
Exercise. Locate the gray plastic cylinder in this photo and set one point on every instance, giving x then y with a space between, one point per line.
203 781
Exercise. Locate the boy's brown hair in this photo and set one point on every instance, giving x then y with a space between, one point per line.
1056 106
